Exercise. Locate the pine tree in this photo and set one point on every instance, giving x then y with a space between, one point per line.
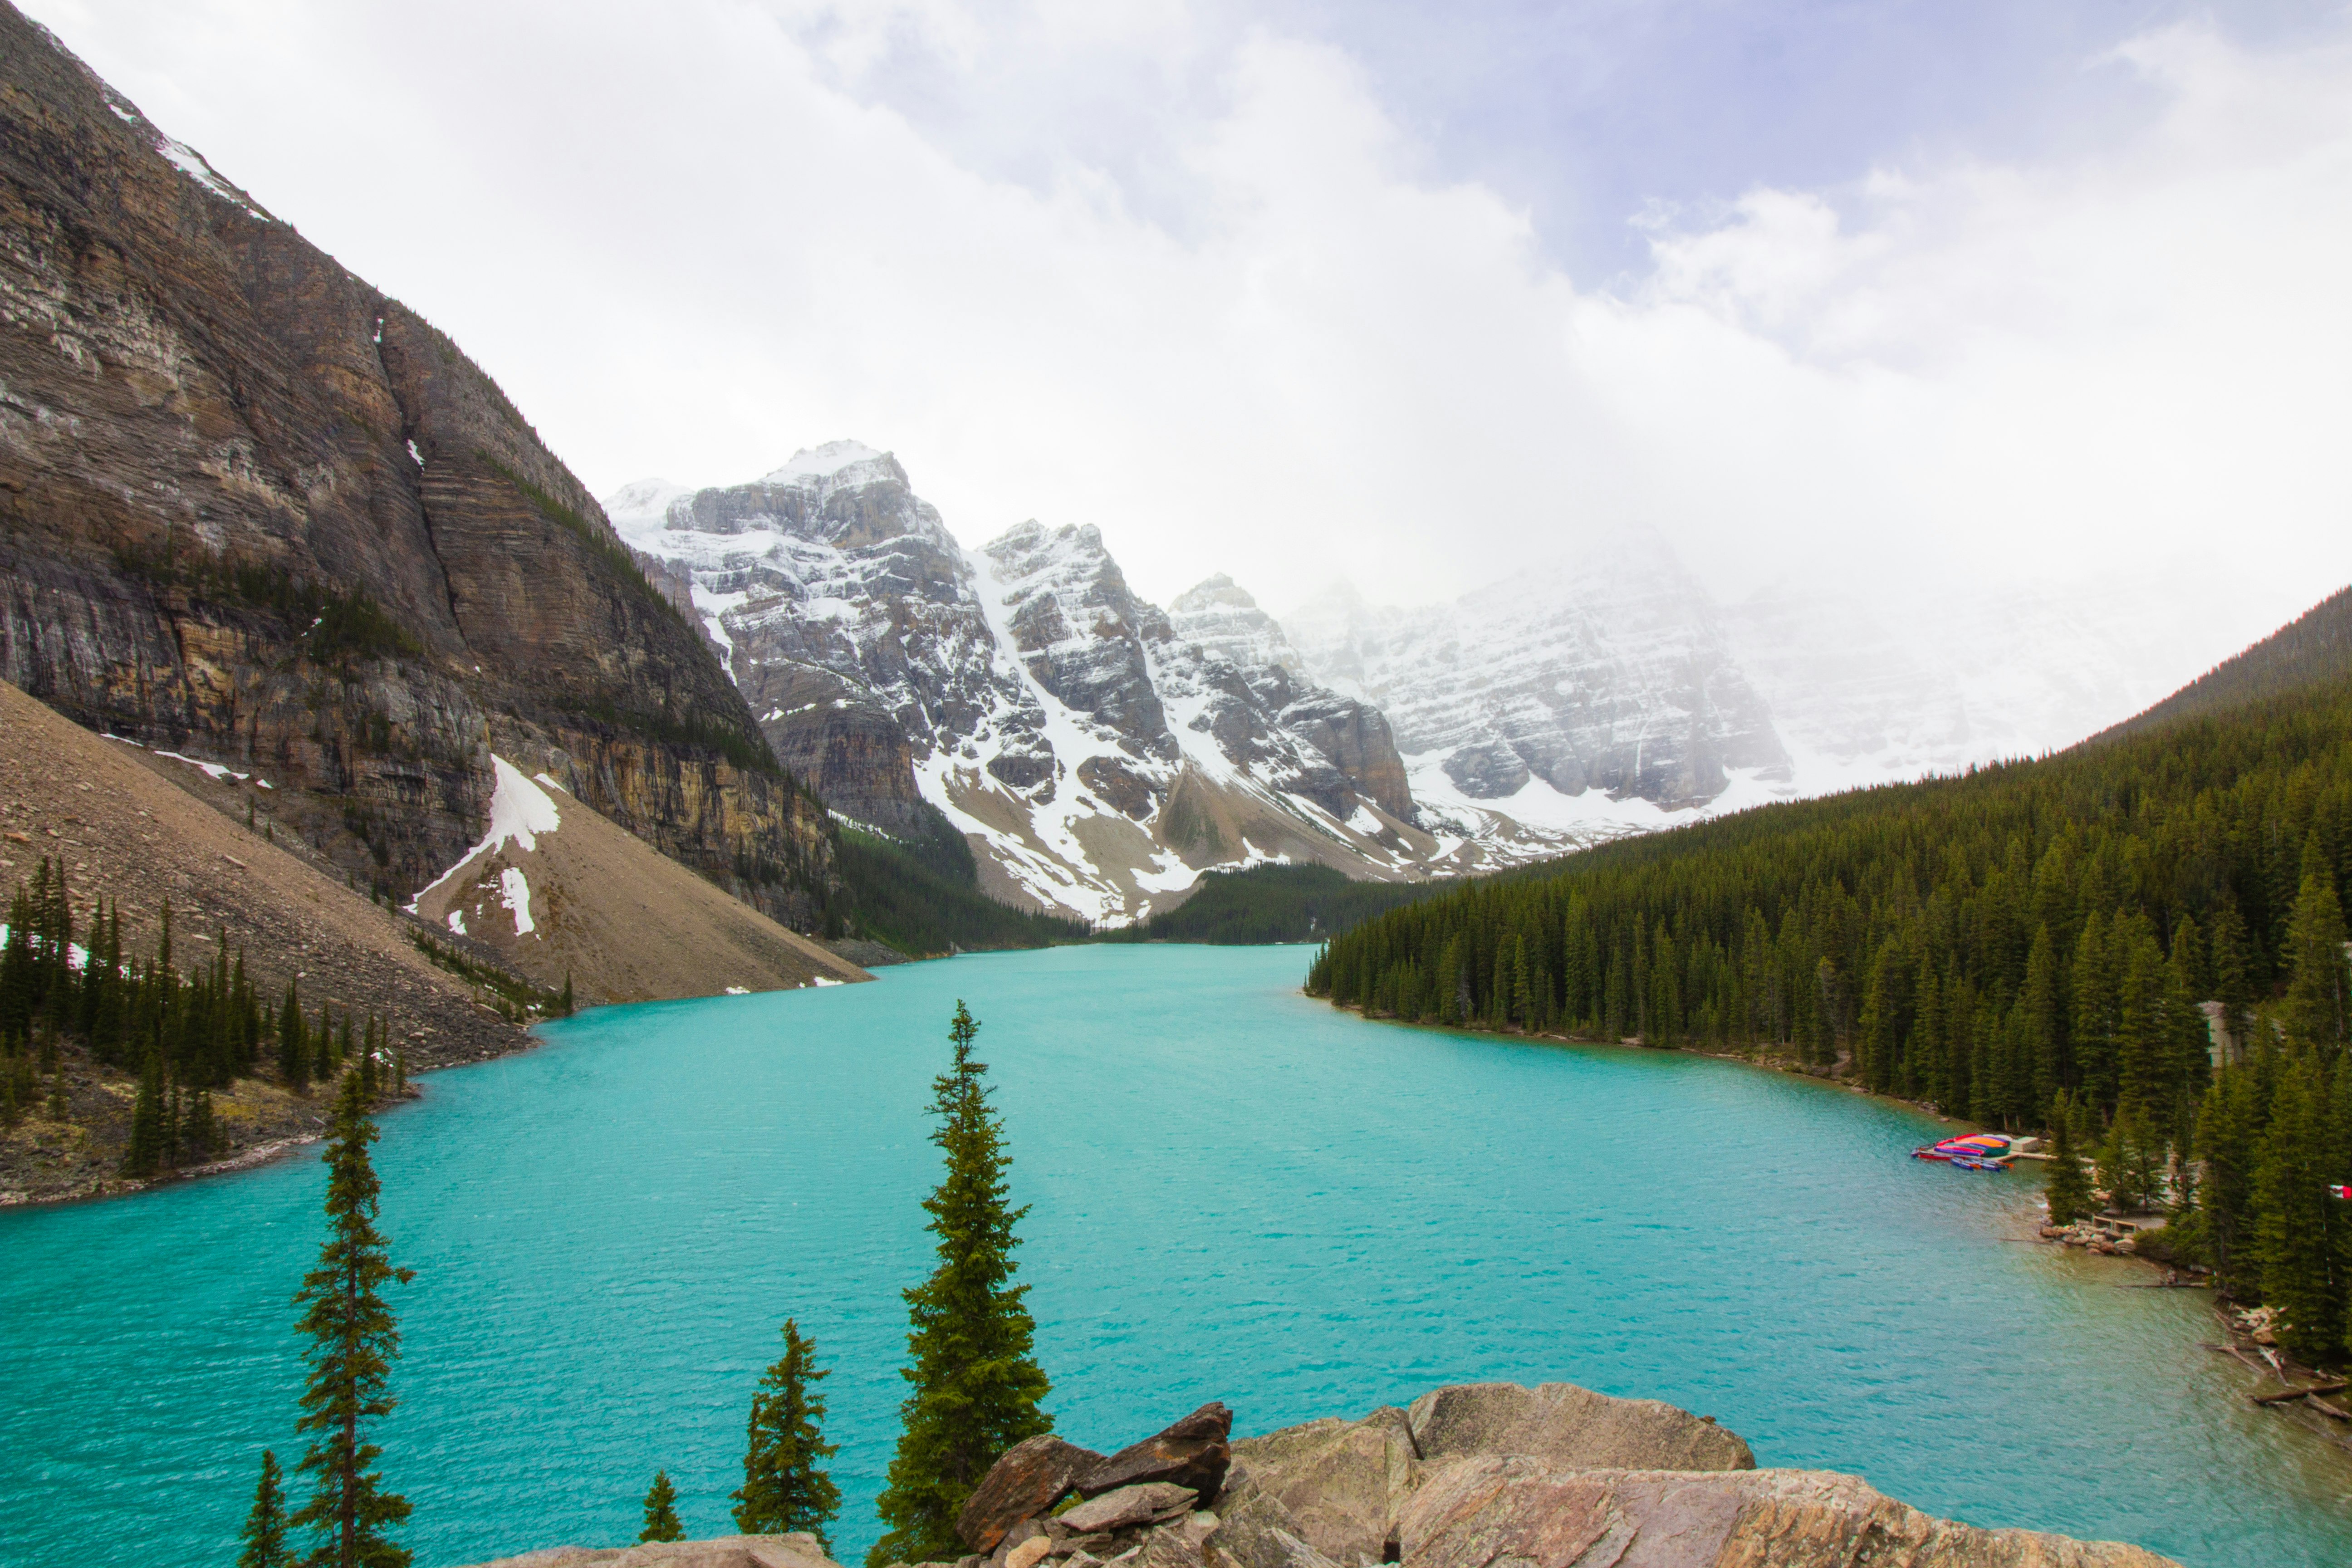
2225 1152
2070 1190
353 1342
783 1488
265 1528
563 1003
976 1381
2295 1222
293 1042
661 1511
2318 1008
144 1155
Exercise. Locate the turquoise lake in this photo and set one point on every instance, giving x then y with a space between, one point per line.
1235 1193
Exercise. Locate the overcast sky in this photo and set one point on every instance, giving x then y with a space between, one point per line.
1895 292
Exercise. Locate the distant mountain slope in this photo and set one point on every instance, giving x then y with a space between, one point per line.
103 810
564 896
2315 648
252 508
1610 673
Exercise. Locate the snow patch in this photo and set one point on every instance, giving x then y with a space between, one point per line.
826 980
519 812
823 461
514 891
191 162
739 990
212 770
457 921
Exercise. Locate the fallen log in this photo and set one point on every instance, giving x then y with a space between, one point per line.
2285 1395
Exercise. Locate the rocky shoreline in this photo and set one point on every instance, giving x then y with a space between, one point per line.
1471 1476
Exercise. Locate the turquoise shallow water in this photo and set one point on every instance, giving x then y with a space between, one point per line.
1236 1194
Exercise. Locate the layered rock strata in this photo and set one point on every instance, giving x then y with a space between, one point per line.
254 510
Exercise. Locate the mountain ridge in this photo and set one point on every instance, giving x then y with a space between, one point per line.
255 509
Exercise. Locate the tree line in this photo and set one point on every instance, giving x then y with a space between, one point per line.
2063 943
975 1387
185 1033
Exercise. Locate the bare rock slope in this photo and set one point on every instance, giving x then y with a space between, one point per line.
253 508
564 895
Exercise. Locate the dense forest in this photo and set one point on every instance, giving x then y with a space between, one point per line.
922 896
1273 904
1987 942
184 1034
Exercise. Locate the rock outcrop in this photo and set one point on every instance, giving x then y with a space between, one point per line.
254 510
1501 1508
1475 1476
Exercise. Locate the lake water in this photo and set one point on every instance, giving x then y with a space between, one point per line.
1236 1194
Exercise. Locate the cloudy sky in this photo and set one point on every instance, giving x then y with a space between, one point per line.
1884 292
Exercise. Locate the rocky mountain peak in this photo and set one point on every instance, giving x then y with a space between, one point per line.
1221 618
1095 753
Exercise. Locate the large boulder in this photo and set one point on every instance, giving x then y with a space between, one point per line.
1191 1453
1571 1426
1476 1512
795 1551
1129 1506
1333 1490
1332 1487
1033 1475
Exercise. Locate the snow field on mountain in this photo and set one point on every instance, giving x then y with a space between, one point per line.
519 812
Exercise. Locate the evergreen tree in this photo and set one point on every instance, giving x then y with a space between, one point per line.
2070 1190
563 1003
661 1511
353 1342
2295 1222
265 1528
144 1155
976 1381
783 1488
2131 1161
2224 1198
2316 1006
293 1041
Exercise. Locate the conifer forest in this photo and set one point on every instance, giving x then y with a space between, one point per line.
2082 936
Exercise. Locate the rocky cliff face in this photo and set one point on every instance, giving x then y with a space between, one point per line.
1097 752
252 508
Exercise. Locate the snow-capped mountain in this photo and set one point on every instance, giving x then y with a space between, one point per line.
1575 699
1619 675
1097 752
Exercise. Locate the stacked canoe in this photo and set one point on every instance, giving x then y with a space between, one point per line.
1976 1152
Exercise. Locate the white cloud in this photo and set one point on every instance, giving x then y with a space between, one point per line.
1261 339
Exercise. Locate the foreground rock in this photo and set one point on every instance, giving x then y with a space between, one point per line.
1191 1453
1338 1488
1512 1509
1033 1476
1475 1476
